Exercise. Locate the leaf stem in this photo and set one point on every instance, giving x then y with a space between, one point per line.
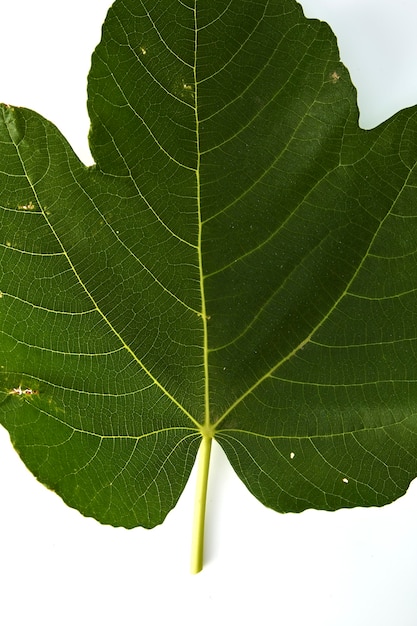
197 550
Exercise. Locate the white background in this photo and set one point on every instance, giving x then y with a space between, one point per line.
356 567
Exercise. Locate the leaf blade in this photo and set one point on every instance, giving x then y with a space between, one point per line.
222 270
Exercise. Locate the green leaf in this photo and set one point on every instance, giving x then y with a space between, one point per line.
238 265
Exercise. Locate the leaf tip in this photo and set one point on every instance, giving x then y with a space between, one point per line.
14 122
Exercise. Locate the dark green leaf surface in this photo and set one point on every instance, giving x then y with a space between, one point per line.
240 263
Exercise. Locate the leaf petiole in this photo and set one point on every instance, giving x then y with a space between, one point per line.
197 550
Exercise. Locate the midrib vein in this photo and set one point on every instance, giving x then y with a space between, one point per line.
200 234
